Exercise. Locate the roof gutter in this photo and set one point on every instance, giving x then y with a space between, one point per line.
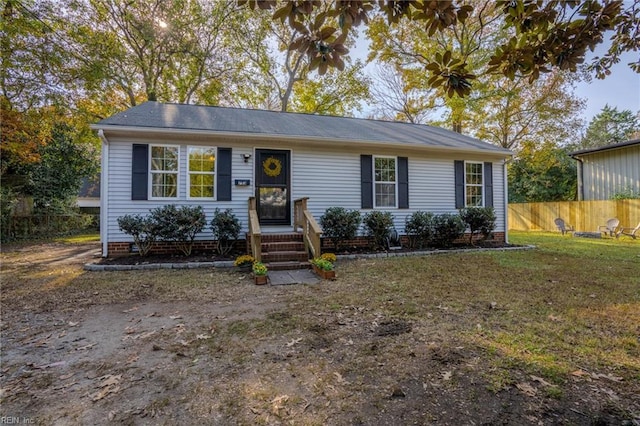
104 200
291 138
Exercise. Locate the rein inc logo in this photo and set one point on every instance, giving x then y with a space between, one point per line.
10 420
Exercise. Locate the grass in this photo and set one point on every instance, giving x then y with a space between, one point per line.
570 305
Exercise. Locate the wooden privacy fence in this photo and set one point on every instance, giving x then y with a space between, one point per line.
582 215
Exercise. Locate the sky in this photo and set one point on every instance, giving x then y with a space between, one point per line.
621 89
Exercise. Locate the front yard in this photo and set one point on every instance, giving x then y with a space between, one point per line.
544 336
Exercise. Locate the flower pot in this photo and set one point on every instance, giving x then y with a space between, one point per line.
260 279
325 275
244 268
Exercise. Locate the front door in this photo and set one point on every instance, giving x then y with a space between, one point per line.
272 186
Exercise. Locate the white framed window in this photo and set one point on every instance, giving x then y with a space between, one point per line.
163 170
385 178
473 184
201 174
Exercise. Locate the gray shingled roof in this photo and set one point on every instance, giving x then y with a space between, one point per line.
605 148
259 122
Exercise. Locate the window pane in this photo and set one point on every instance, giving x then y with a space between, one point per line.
202 159
202 164
385 169
474 196
385 195
164 185
164 158
202 185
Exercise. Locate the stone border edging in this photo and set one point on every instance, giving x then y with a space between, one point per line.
229 263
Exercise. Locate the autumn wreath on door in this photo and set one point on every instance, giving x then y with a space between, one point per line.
272 167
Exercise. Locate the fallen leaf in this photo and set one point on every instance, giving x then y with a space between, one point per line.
109 380
104 392
526 388
84 348
447 375
278 404
66 376
175 317
135 308
203 337
294 342
553 318
540 380
607 376
579 373
73 324
340 378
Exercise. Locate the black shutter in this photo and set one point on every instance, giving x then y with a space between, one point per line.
458 167
488 184
223 186
366 181
139 172
403 182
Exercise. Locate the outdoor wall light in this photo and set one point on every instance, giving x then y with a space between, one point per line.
246 157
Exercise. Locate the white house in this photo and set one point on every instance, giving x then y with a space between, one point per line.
155 154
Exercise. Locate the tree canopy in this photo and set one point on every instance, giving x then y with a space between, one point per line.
611 126
539 35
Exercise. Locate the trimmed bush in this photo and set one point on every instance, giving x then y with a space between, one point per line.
339 225
378 224
446 229
143 229
226 229
179 225
479 220
418 228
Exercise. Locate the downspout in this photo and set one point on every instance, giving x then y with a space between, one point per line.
104 195
580 178
506 200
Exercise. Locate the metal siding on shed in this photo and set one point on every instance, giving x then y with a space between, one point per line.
609 172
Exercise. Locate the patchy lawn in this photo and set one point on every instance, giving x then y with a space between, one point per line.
545 336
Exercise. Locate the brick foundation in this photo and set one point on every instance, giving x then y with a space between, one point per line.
209 246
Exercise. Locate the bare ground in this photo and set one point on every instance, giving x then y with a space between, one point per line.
209 347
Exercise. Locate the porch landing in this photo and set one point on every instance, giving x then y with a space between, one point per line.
296 276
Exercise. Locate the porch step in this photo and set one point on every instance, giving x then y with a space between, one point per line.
284 256
285 251
287 266
283 246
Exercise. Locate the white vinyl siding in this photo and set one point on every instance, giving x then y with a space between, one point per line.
328 176
201 174
164 170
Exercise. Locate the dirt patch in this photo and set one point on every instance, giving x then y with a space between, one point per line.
209 347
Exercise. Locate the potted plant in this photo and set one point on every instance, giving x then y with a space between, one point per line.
323 266
260 273
244 262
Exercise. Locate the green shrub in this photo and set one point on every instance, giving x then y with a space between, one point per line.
8 199
179 225
378 224
143 229
479 220
418 228
339 225
447 228
226 229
